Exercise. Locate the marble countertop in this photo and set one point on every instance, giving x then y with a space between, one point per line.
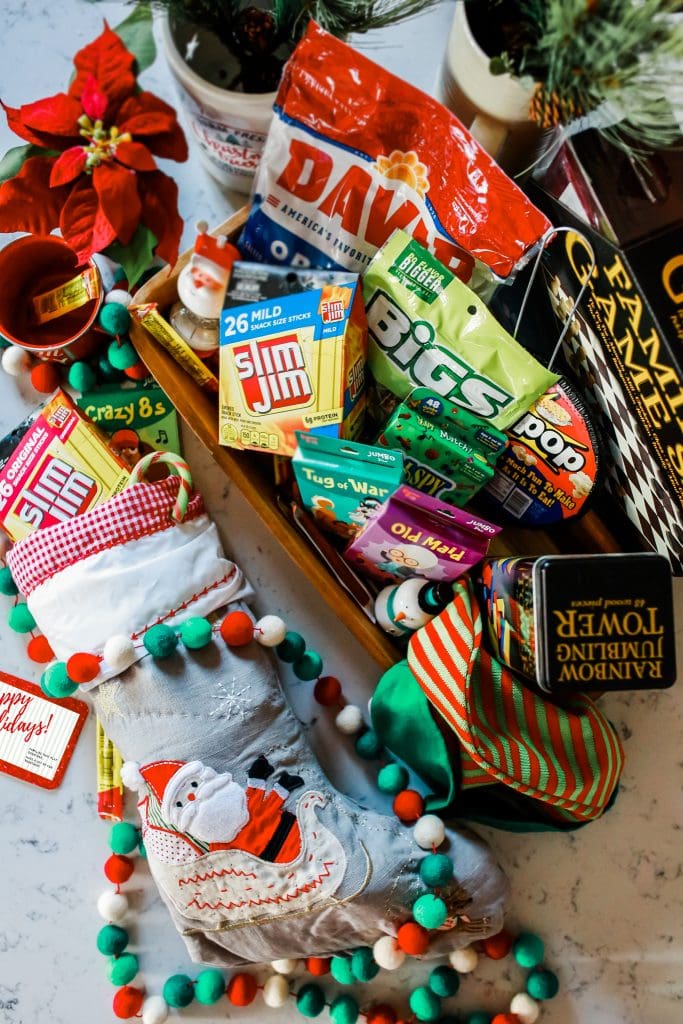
608 900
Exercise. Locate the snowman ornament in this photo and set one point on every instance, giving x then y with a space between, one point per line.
201 291
403 608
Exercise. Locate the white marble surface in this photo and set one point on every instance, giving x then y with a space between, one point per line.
608 900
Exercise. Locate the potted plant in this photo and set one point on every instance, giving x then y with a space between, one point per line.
564 66
227 57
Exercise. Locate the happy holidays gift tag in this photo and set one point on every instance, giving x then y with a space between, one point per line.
37 735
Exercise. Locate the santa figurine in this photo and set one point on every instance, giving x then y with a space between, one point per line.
209 810
201 290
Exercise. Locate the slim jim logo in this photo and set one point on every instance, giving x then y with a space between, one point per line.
273 374
57 493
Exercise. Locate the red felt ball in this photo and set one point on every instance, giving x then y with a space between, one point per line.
83 668
318 965
39 650
242 988
118 869
127 1002
497 946
137 372
45 377
412 938
381 1014
237 629
505 1018
327 691
408 805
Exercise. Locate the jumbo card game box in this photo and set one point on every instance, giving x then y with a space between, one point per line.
293 361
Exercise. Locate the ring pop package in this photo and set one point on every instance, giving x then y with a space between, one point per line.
413 535
426 328
354 152
293 363
448 454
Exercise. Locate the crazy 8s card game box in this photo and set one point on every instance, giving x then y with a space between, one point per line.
293 362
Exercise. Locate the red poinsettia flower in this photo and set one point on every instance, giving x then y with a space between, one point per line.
97 180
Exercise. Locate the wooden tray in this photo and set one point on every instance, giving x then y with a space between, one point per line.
252 474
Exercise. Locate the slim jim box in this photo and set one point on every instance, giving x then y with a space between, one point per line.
253 476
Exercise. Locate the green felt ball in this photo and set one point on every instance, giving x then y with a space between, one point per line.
436 870
292 647
178 990
112 940
20 619
542 984
7 585
344 1010
122 969
528 950
161 641
195 632
444 981
363 964
368 745
310 1000
82 377
430 911
392 778
122 356
55 681
308 666
114 318
478 1017
340 969
107 371
209 987
123 837
424 1004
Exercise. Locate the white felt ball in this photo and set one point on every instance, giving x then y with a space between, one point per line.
270 631
112 906
15 361
464 961
118 652
154 1010
276 991
429 831
386 953
284 966
119 295
349 720
525 1008
132 777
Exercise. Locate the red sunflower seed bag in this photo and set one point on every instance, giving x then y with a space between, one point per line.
354 153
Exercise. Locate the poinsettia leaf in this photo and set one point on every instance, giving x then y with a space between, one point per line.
135 155
159 195
54 115
83 222
137 35
15 158
148 116
112 65
135 257
68 166
117 191
27 203
93 100
44 140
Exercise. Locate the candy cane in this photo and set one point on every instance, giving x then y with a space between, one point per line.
179 467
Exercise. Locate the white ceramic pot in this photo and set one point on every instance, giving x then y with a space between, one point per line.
495 108
229 127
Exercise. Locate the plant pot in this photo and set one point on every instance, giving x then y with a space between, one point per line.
31 266
495 108
229 127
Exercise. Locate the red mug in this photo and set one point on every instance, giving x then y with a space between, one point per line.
31 266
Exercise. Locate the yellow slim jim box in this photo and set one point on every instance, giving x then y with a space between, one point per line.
293 362
55 465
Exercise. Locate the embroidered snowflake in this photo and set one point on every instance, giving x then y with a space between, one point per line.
230 700
108 695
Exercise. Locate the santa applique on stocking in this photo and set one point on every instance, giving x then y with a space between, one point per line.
190 809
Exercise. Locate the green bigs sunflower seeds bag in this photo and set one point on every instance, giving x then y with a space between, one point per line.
428 329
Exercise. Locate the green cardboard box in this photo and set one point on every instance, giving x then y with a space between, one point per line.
143 410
